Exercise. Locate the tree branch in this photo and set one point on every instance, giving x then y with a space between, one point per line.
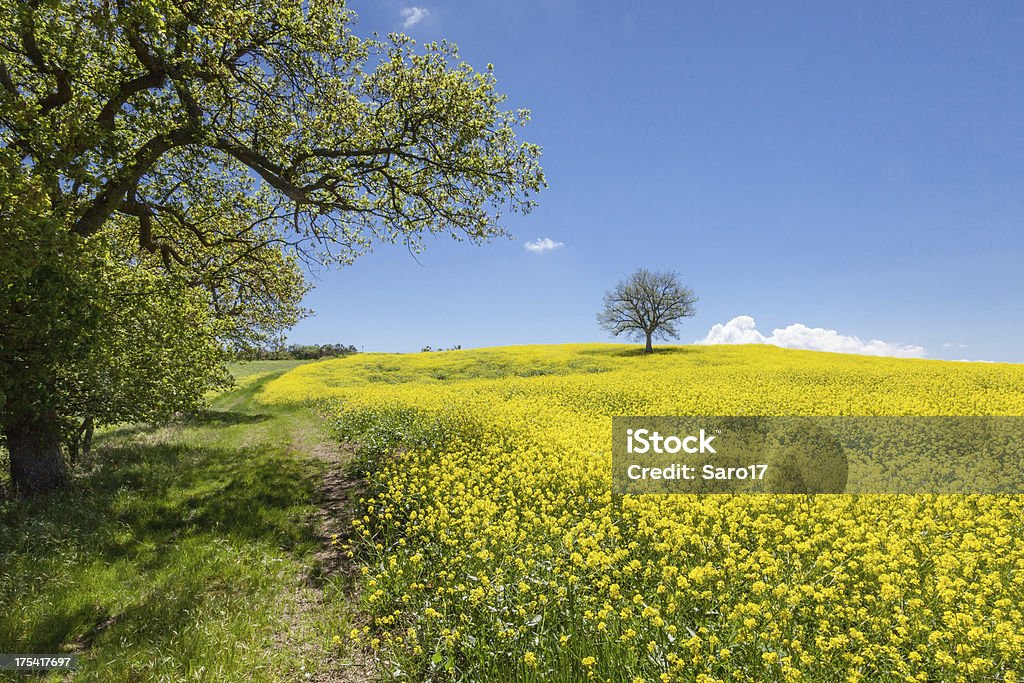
62 95
147 81
112 196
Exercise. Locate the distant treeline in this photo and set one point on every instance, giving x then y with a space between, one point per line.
298 352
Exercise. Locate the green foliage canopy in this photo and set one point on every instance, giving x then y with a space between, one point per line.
169 166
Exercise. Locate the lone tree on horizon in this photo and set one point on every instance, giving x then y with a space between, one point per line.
647 305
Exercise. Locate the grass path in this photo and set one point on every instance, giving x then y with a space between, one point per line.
196 551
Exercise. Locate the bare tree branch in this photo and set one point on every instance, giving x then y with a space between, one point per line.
647 305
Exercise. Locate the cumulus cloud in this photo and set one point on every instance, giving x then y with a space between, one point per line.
413 15
743 330
542 245
740 330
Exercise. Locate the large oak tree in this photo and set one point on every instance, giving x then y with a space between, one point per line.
168 165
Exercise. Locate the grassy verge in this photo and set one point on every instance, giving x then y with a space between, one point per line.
185 552
250 370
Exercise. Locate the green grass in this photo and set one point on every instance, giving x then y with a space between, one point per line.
248 370
185 552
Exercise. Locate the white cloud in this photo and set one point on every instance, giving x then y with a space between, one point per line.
542 245
413 15
740 330
743 330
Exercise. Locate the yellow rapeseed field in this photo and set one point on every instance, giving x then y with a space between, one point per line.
493 549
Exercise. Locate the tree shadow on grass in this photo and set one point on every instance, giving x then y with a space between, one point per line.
222 417
202 418
147 538
237 492
658 351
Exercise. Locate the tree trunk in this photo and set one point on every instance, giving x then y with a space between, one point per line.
37 462
649 349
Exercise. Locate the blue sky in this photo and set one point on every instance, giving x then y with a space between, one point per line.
848 167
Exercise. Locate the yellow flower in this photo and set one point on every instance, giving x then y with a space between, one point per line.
495 464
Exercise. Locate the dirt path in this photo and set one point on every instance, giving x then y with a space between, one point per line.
331 578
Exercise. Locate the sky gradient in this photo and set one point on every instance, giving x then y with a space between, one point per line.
853 169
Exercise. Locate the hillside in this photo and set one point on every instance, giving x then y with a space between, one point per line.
741 379
493 547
